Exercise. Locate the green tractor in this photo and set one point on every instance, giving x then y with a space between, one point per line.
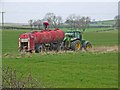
73 40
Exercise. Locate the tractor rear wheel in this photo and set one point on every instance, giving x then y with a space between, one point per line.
76 45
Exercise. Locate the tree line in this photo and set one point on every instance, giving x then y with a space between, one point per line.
72 21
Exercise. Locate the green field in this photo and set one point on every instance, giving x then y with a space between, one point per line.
73 70
104 23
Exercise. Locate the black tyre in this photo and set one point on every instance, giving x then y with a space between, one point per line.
87 46
37 48
76 45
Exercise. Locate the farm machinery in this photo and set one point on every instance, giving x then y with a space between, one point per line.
56 39
73 40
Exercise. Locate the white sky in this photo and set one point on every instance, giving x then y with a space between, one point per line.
21 12
60 0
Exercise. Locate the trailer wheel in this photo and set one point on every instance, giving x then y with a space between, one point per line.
57 47
87 46
76 45
38 49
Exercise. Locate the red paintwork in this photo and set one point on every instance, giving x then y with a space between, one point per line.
24 35
47 36
32 43
46 23
42 37
30 38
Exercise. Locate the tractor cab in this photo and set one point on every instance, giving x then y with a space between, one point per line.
74 35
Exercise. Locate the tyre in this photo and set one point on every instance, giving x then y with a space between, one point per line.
57 47
76 45
37 48
87 45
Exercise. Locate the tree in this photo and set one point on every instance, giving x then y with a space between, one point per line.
30 23
34 24
87 21
84 21
54 20
78 22
58 21
71 20
39 23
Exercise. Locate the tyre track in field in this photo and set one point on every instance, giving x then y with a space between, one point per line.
105 49
97 49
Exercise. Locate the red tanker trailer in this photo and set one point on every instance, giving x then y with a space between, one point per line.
38 40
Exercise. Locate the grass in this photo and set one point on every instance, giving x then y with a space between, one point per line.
104 23
102 38
74 70
91 29
10 40
107 22
68 70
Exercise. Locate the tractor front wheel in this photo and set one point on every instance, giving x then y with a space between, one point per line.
76 45
87 46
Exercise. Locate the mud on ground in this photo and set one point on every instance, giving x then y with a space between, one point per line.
104 49
97 49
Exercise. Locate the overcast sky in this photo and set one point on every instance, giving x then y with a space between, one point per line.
21 12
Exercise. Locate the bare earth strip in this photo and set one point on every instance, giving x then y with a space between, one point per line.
105 49
98 49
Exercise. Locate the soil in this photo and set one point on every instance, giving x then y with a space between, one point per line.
104 49
98 49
